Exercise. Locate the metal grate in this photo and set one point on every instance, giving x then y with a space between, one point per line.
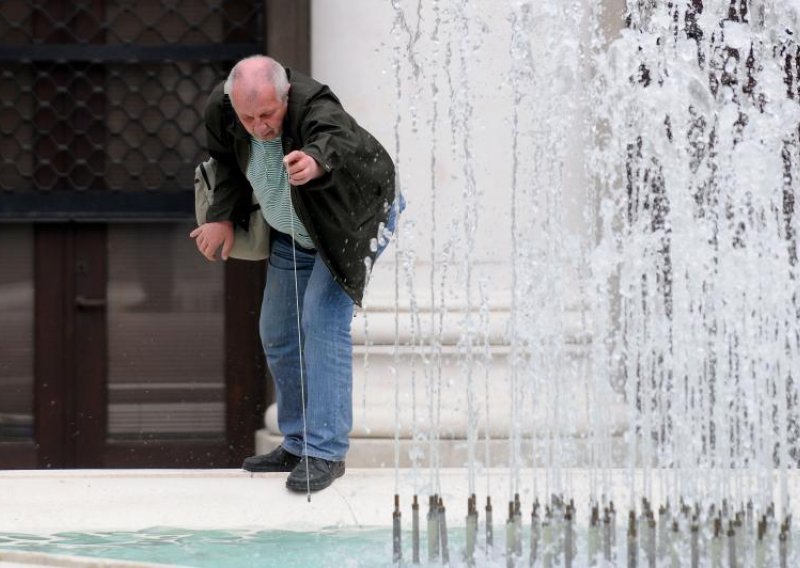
101 101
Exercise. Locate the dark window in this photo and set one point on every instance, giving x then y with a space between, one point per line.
101 102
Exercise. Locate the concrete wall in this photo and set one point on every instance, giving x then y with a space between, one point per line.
352 51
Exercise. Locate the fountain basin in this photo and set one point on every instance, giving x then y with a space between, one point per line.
105 501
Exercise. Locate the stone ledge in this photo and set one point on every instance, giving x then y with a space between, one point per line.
47 502
381 326
22 559
454 452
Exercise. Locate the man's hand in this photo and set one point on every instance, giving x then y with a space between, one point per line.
301 167
210 236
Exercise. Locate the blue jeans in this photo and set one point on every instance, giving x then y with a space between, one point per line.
326 313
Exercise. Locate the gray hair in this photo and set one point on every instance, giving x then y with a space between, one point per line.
270 71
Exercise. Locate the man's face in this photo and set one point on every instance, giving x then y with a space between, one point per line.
262 114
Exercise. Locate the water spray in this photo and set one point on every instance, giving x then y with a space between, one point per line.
489 526
633 552
675 545
443 533
760 551
606 535
415 531
663 532
397 548
685 223
472 530
738 529
650 550
511 532
517 526
433 528
783 546
593 538
547 538
536 533
732 558
613 529
569 539
693 538
716 544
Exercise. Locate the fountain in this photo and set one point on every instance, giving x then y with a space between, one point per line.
591 319
646 173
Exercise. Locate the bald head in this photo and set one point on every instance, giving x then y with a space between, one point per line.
259 90
250 76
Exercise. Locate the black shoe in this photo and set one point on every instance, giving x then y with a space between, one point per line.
277 460
321 473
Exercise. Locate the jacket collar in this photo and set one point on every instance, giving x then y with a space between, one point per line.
288 128
235 127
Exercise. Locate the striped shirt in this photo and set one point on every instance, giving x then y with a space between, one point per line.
267 174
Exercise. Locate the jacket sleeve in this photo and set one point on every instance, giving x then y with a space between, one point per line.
329 134
229 194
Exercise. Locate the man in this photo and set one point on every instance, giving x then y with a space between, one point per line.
326 190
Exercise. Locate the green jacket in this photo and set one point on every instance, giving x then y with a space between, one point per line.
344 208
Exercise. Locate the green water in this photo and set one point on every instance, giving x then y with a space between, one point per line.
219 549
334 548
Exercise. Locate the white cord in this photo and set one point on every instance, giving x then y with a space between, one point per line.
300 350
